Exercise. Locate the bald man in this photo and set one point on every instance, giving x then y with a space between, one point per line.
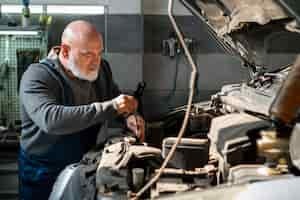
65 100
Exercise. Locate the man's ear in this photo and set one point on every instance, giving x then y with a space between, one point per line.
65 49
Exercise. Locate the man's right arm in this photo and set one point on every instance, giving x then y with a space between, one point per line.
40 95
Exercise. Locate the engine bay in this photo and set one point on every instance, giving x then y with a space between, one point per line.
226 142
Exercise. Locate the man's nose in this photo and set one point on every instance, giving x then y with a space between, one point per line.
96 60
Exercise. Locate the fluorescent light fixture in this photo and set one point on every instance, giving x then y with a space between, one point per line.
75 9
19 32
17 9
55 9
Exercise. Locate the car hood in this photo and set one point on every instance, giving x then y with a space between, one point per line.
246 27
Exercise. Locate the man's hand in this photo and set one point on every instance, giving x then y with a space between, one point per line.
137 125
126 104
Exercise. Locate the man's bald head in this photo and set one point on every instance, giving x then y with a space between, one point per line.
79 31
81 48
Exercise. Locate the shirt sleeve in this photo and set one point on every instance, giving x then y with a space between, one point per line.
41 96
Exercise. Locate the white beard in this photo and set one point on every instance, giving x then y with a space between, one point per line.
73 67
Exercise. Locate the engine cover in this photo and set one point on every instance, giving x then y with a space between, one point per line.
230 141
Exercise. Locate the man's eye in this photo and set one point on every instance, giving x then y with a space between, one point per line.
87 55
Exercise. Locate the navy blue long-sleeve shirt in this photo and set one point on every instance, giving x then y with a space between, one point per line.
57 112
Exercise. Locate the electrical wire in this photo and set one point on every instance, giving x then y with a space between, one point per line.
173 91
189 105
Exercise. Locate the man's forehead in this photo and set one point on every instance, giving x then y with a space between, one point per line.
89 46
85 40
86 50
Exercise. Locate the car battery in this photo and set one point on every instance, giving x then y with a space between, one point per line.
189 154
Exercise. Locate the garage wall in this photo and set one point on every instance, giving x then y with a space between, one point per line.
136 29
168 78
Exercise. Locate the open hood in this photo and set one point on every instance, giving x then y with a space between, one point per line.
244 27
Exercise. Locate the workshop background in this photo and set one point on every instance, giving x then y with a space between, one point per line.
136 32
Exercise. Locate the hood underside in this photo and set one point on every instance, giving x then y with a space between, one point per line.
226 16
245 27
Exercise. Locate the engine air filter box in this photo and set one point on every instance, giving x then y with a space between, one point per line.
189 154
